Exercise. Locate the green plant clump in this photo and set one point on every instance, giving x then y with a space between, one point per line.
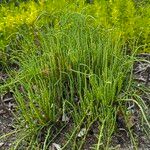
75 68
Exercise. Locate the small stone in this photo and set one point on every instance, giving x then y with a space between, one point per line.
1 144
65 118
55 146
82 132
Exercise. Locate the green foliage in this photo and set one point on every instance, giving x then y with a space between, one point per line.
130 18
74 59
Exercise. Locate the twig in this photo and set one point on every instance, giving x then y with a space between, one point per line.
3 105
148 75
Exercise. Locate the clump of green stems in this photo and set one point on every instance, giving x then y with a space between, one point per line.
78 70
